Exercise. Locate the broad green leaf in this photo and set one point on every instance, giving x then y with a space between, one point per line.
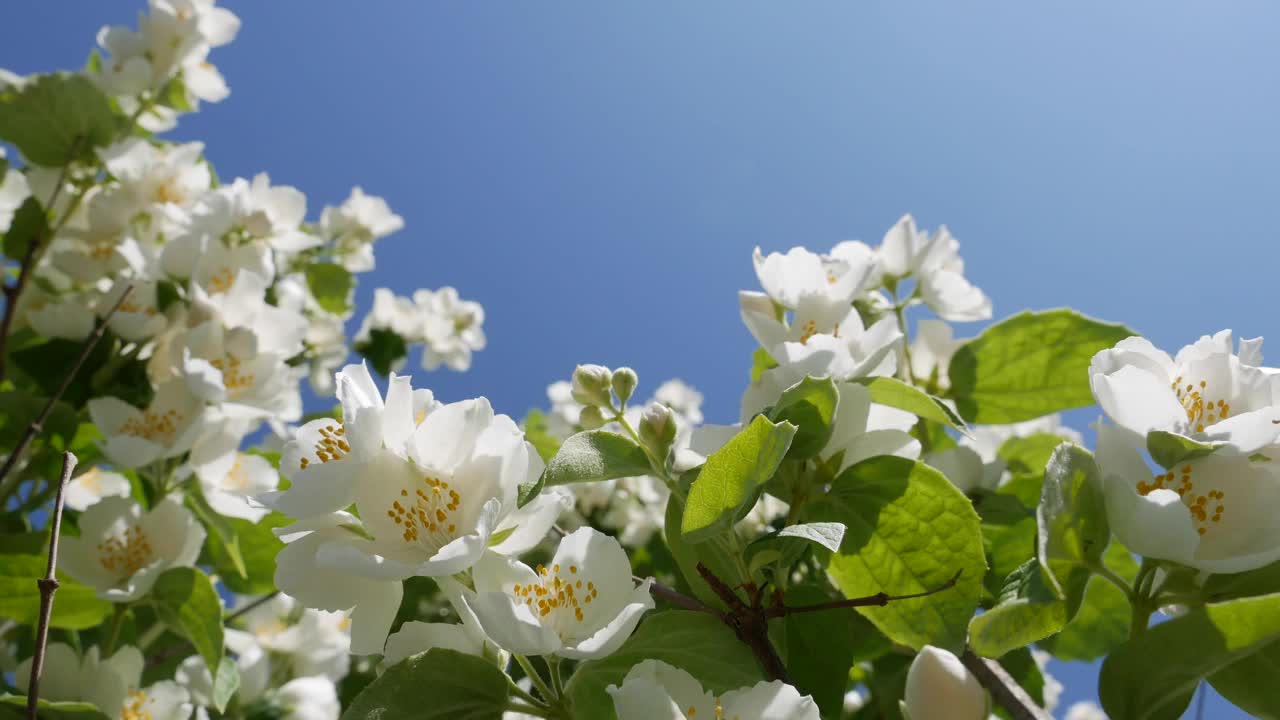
174 94
1171 449
1263 581
18 409
1029 365
810 405
1102 621
1027 611
436 685
908 530
687 556
48 363
75 606
331 284
537 432
384 349
698 643
732 478
14 707
1029 455
187 602
897 394
786 546
1154 674
258 549
29 226
57 118
761 360
225 683
1008 534
1249 683
223 534
596 455
817 647
1072 521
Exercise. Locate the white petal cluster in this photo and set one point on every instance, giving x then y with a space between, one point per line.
449 329
353 226
654 690
112 684
940 687
13 192
975 463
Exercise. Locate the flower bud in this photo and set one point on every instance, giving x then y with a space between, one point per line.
624 383
591 418
658 428
940 687
591 385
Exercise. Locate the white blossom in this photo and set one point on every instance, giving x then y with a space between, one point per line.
169 426
451 328
13 192
93 485
654 690
353 227
934 262
940 687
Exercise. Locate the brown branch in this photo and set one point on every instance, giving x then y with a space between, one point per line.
37 427
1004 689
749 623
879 598
48 586
679 599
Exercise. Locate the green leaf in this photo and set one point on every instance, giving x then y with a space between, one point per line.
1154 674
30 226
57 118
1102 621
221 530
785 546
436 685
909 530
258 548
537 432
76 606
817 648
897 394
174 94
384 349
1029 365
1263 581
687 555
761 360
810 405
1029 455
186 601
1021 666
1072 521
732 478
166 294
1027 611
225 683
1008 534
14 707
48 363
695 642
1249 683
331 284
596 455
1171 449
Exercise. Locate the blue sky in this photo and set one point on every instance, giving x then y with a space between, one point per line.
596 174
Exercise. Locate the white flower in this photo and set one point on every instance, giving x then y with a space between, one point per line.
169 426
1214 513
940 687
13 192
822 338
309 698
159 179
355 225
392 312
1206 392
139 317
67 316
239 369
584 606
431 494
122 549
315 642
931 352
230 481
94 485
451 328
415 637
104 240
934 261
1084 710
801 277
256 211
975 463
110 684
654 690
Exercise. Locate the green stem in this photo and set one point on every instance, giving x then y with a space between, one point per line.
1140 619
117 622
520 693
557 682
536 711
899 312
535 678
1110 576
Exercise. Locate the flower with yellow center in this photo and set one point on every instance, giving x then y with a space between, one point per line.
1206 392
654 690
95 484
583 605
112 684
168 427
122 549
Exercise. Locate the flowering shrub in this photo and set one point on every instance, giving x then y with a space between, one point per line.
898 525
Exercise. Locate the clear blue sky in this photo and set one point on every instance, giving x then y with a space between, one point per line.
596 174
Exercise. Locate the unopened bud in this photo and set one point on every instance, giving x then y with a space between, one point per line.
591 418
624 383
658 428
940 686
591 385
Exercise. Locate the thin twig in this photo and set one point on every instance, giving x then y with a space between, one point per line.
677 598
48 586
1004 689
37 426
879 598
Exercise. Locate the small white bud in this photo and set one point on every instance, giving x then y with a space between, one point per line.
591 418
940 687
591 385
658 428
624 383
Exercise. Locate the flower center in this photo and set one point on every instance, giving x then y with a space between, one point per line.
692 712
126 553
156 427
135 707
556 593
221 281
331 447
129 306
1198 504
809 328
235 380
1201 410
428 515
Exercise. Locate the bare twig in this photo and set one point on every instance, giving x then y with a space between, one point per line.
677 598
37 427
1004 689
749 623
879 598
48 586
